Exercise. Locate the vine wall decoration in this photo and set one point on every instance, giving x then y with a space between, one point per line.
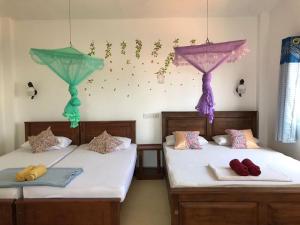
163 70
193 41
176 42
129 66
138 48
123 47
160 74
157 47
92 49
90 81
108 50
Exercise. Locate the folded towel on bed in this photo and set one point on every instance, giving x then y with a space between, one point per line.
254 170
36 172
31 173
267 174
55 177
239 168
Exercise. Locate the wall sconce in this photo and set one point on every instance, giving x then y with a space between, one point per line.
241 88
31 91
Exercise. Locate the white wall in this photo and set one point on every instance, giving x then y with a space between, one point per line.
7 82
284 22
262 78
182 87
260 69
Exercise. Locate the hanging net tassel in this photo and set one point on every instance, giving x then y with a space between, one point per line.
206 102
71 109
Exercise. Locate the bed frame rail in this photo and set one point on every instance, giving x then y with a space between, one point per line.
235 206
68 211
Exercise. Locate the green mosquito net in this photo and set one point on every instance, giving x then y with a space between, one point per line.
73 67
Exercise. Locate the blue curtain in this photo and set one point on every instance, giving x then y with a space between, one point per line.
289 91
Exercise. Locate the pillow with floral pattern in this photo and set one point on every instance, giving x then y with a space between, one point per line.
187 140
43 141
104 143
242 139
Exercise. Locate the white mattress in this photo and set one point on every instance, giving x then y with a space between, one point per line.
104 175
23 157
189 168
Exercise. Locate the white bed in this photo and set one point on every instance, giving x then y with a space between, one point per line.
104 175
189 168
23 157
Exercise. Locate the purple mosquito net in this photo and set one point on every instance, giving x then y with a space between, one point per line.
206 58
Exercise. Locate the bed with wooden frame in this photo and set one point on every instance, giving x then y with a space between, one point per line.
72 211
7 206
227 206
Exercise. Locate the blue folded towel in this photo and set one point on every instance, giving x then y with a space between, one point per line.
55 177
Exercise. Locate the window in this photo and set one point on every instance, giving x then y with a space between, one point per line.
289 91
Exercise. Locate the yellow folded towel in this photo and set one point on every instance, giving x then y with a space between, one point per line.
20 176
31 173
36 172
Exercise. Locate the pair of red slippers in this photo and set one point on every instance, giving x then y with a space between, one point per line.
245 168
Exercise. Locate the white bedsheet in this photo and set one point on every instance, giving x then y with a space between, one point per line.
189 168
104 175
23 157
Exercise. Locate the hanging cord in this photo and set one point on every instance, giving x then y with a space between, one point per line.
207 39
70 25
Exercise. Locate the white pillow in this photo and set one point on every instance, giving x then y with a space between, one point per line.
63 143
222 140
202 140
125 142
25 145
170 140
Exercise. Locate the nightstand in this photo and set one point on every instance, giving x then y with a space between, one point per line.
149 173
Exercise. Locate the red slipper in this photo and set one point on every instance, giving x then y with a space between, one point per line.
253 169
239 168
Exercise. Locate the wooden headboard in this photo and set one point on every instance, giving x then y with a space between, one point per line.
91 129
192 121
58 128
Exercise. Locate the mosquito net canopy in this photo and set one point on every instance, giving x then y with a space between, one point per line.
206 58
73 67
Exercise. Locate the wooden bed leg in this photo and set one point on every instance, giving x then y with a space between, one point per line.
7 212
174 209
116 210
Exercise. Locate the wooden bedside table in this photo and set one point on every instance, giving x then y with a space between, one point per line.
149 173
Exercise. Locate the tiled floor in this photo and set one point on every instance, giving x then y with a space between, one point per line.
146 204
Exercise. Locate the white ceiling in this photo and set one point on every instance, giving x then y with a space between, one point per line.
108 9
